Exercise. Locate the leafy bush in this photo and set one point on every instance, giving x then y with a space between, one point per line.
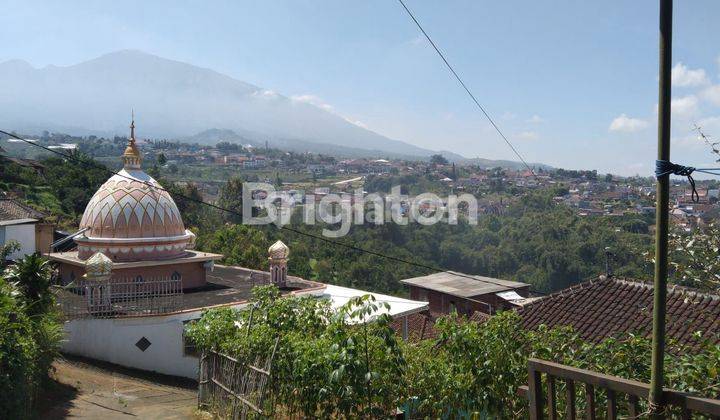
330 364
29 335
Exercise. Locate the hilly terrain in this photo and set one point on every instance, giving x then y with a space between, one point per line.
177 100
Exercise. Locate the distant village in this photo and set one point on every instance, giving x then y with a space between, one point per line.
585 191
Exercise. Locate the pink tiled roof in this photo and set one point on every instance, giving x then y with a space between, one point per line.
132 204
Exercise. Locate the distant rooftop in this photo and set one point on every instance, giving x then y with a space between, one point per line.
463 285
399 307
13 211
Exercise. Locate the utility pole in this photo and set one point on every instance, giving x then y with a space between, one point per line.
661 214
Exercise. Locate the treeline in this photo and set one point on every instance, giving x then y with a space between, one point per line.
535 241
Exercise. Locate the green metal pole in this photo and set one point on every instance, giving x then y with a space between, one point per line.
661 212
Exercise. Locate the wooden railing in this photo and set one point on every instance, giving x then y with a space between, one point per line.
232 389
602 395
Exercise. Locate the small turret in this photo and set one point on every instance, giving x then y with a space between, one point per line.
278 258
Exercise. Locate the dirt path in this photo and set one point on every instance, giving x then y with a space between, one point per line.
89 390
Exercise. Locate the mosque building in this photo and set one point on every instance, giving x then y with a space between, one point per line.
134 281
134 222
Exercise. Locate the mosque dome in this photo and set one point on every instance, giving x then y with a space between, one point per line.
98 266
131 218
279 251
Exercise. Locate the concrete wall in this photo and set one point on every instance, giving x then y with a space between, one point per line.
193 274
44 236
25 235
113 340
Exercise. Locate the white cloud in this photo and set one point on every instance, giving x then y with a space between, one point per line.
318 102
535 119
712 94
626 124
507 115
313 100
418 40
265 94
528 135
685 106
685 77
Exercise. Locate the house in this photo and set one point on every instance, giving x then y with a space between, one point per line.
447 291
24 225
607 307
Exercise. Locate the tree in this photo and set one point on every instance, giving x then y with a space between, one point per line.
7 249
695 258
608 177
161 159
438 159
32 275
231 199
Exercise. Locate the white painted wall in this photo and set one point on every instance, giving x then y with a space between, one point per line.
113 340
25 235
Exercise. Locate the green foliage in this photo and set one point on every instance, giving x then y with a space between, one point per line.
534 240
328 363
7 249
32 275
695 258
438 160
334 365
231 199
240 244
29 335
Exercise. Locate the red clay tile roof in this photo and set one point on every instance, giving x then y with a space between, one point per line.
421 325
598 309
13 210
601 308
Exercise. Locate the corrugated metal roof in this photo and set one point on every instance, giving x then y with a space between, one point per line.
462 285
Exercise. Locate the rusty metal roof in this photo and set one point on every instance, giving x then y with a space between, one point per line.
463 285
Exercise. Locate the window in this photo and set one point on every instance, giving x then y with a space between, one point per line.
175 276
189 348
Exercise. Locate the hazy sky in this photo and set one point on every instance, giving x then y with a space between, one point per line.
572 83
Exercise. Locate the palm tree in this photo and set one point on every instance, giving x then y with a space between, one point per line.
32 275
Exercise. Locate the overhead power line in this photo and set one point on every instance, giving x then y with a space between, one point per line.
464 86
205 203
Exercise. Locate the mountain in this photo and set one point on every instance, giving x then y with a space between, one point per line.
176 100
172 99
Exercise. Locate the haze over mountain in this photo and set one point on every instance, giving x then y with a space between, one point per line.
177 100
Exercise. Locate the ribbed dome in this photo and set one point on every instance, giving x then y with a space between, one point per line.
279 251
131 217
127 207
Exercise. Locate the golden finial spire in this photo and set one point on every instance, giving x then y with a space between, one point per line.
132 126
132 158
